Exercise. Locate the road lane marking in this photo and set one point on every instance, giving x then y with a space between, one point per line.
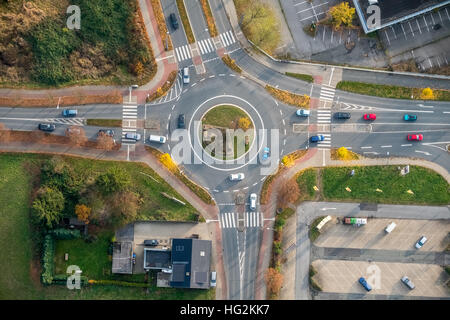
366 147
406 145
386 146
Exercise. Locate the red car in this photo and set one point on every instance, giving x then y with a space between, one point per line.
370 116
417 137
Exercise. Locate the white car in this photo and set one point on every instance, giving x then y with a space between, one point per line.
133 136
421 242
253 198
186 78
237 176
213 279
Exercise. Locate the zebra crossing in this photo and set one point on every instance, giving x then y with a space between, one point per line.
129 120
251 220
205 46
327 93
323 116
173 94
326 143
72 121
227 38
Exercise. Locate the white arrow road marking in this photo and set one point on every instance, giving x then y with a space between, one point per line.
323 209
426 153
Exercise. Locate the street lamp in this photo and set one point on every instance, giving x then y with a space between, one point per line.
134 86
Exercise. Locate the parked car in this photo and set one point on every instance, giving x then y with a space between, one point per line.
317 138
415 137
408 282
69 113
152 242
410 117
181 122
237 176
421 242
173 21
107 132
302 113
74 130
370 116
47 127
342 115
213 279
253 198
365 284
437 26
133 136
266 153
186 78
391 226
159 139
355 221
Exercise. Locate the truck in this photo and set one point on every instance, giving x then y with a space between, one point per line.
355 221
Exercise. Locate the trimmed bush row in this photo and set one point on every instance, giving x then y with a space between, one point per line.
185 21
298 100
48 255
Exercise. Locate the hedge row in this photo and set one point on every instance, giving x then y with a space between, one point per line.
65 234
119 283
61 279
47 260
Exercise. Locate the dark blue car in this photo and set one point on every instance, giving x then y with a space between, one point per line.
317 138
365 284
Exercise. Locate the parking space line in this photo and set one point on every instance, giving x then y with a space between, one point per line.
401 24
440 17
387 37
428 29
447 14
393 31
323 38
432 18
307 18
411 28
332 32
437 59
300 3
431 65
419 26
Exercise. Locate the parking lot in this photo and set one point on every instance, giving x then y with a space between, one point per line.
407 36
342 277
373 236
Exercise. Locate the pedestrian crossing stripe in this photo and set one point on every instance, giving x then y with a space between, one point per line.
183 52
227 38
251 220
327 93
73 121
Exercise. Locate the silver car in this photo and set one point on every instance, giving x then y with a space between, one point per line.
253 198
408 282
237 176
133 136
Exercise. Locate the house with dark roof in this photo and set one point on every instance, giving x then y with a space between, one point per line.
186 265
394 11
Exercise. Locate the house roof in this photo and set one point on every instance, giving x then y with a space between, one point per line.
122 257
191 260
395 11
156 258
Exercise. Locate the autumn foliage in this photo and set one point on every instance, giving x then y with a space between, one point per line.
167 161
105 142
83 212
76 135
297 100
289 193
427 94
274 281
209 18
342 14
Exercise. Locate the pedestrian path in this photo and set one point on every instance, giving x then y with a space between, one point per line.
327 93
251 220
205 46
129 121
72 121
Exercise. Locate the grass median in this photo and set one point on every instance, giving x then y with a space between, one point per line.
301 76
185 20
104 122
388 91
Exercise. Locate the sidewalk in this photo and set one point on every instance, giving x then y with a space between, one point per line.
164 68
313 158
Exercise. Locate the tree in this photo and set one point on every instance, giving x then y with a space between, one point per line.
427 94
138 68
288 193
76 135
105 142
167 161
342 13
48 205
274 281
288 160
116 179
244 123
83 212
125 205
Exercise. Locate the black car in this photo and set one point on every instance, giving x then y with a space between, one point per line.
437 26
47 127
107 132
181 124
152 242
173 21
342 115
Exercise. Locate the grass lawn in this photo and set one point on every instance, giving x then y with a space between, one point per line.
301 76
16 238
428 186
224 116
306 180
387 91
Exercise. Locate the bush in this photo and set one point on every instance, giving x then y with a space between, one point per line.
119 283
115 179
61 279
231 63
48 206
297 100
48 255
65 234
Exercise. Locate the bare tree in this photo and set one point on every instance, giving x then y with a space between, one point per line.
104 141
5 133
76 135
288 193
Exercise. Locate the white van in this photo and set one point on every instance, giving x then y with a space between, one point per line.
159 139
391 226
